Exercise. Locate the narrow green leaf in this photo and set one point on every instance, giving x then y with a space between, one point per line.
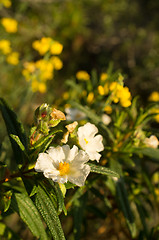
49 214
78 211
13 127
44 139
142 216
103 170
125 206
60 199
24 206
150 152
17 140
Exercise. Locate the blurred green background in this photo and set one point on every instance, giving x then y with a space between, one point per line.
93 33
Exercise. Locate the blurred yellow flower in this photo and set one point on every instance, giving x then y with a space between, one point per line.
42 87
13 58
43 45
46 69
154 96
90 97
65 95
120 93
9 24
103 76
101 90
5 46
106 88
6 3
35 85
57 63
108 109
56 48
82 75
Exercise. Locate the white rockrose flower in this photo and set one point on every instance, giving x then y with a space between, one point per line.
63 164
89 142
152 141
73 114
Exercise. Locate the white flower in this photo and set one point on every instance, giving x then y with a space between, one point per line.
89 142
63 164
106 119
152 141
73 114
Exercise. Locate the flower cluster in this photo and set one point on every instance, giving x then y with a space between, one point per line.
63 163
12 57
117 92
37 73
10 25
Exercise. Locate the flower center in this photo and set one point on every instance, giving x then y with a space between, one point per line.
64 168
86 140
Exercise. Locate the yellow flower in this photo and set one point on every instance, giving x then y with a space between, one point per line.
108 109
46 69
103 76
101 90
42 87
10 24
57 63
154 96
82 75
30 66
13 58
43 45
56 48
5 46
35 85
106 88
65 95
125 103
90 97
6 3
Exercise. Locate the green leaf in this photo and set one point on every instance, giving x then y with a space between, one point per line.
78 212
150 152
103 170
49 214
125 205
44 140
59 195
13 127
24 206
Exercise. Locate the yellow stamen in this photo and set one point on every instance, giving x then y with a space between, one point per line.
64 168
86 140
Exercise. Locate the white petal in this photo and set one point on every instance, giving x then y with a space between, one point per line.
94 155
73 153
79 177
43 163
97 143
81 158
88 130
57 154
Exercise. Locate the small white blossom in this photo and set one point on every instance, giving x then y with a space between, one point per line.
63 164
152 141
73 114
106 119
89 142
